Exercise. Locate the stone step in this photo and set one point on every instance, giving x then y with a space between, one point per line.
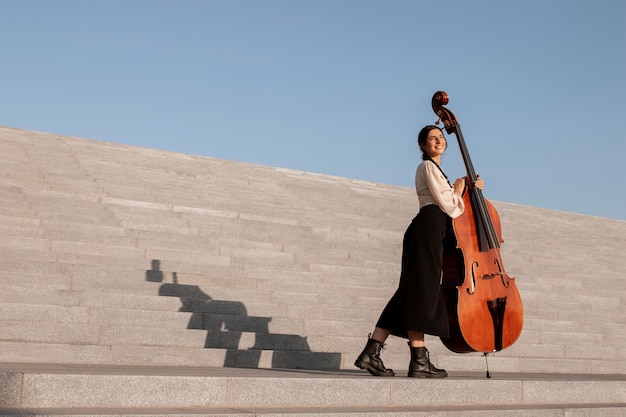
230 326
349 279
94 389
550 355
606 410
178 348
260 298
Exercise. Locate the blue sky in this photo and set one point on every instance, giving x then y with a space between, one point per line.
337 87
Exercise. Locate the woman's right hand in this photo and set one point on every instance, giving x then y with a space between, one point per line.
459 186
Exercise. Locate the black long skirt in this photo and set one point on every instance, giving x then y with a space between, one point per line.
417 304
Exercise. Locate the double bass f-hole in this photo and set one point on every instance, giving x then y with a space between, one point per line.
472 289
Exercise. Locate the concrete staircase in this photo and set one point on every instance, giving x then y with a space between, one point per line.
141 282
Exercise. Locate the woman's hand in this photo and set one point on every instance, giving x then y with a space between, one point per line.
480 184
459 186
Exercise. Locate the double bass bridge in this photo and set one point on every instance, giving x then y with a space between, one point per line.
491 275
500 274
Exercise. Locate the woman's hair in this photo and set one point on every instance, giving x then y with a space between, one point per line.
423 135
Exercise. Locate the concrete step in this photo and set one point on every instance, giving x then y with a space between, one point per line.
547 340
267 336
600 411
39 389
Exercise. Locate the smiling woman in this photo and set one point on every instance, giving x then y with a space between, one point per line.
434 145
418 307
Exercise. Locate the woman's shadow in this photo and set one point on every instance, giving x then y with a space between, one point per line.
229 327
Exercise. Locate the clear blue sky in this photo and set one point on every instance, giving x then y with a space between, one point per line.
338 87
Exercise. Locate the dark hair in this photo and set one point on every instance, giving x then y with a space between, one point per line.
423 135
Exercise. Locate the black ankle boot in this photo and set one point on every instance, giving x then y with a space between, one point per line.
420 366
370 360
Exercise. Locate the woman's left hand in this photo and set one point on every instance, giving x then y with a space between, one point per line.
480 184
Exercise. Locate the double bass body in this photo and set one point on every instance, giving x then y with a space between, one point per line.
485 310
484 307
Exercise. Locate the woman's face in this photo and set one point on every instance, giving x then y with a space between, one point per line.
435 143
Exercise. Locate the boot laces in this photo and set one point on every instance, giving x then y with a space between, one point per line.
379 351
431 367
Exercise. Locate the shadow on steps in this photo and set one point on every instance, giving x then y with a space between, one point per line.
227 324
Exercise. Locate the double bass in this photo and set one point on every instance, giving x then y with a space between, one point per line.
485 311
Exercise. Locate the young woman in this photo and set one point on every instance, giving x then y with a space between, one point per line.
417 307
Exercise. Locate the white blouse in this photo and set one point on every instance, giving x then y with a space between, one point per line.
433 188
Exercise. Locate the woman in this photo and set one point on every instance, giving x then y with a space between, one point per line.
417 307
